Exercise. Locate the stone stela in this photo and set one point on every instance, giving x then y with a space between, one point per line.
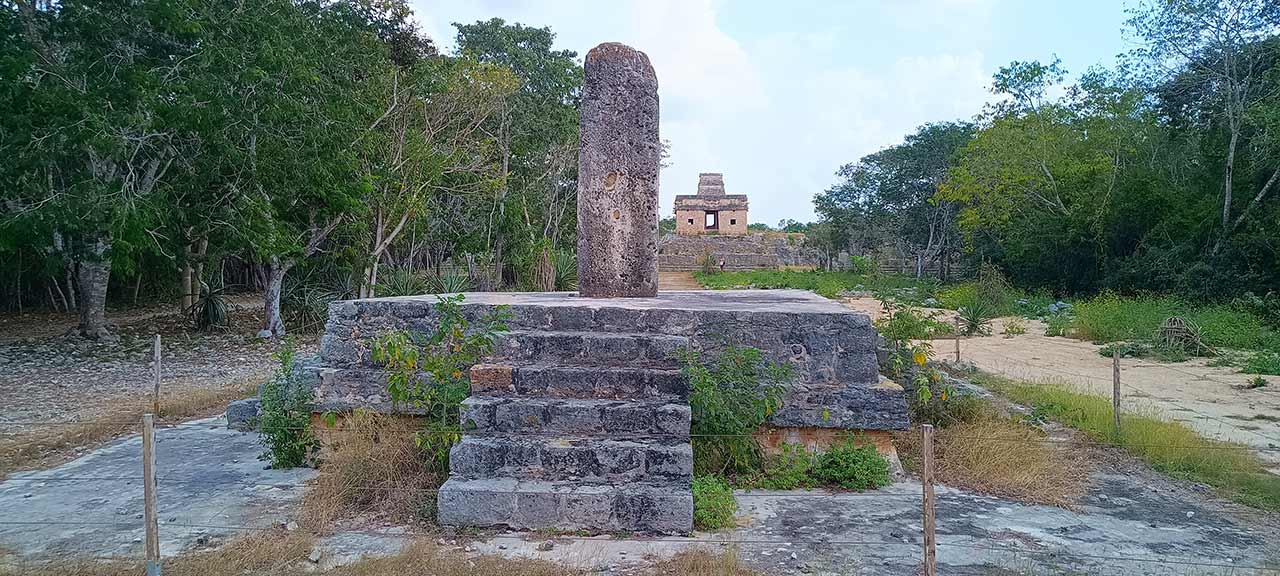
711 211
580 419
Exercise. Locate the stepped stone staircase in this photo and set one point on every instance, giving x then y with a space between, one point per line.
574 430
580 419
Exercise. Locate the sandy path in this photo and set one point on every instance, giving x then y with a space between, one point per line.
1206 398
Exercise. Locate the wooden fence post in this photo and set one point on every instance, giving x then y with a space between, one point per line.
926 481
150 516
1115 388
957 341
155 395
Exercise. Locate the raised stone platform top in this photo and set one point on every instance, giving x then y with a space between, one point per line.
756 301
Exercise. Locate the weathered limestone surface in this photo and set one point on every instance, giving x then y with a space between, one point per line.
832 349
618 174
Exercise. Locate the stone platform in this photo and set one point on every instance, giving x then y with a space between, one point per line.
677 252
580 420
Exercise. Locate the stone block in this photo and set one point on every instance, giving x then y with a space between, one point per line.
243 414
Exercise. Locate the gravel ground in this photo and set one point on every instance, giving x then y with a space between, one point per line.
47 375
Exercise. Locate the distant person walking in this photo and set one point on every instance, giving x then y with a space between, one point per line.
722 264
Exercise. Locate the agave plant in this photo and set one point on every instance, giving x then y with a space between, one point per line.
566 264
975 318
403 282
450 283
210 308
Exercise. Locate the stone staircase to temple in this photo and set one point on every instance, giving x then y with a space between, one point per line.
575 430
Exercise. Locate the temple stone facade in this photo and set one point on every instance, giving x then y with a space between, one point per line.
711 211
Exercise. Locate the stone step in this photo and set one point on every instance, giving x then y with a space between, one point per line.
634 381
588 348
665 508
571 458
489 415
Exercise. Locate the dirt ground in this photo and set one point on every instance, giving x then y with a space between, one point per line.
1210 399
47 375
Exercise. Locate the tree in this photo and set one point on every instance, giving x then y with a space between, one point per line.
91 92
1227 46
892 196
537 136
429 142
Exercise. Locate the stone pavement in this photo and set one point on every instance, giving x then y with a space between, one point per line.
210 481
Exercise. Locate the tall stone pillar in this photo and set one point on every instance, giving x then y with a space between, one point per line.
618 156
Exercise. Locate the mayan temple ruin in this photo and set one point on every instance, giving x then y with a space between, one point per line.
711 226
711 211
580 420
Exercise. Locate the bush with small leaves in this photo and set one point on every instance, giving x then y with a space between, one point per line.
713 503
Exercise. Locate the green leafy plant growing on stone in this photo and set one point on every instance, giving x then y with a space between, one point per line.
730 398
431 374
852 466
713 503
787 470
285 418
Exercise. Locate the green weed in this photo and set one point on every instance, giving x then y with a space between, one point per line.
852 467
713 503
730 398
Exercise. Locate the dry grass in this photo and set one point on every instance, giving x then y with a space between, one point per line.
994 455
1167 446
280 553
42 446
703 562
370 468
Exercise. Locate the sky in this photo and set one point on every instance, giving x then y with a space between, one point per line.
777 95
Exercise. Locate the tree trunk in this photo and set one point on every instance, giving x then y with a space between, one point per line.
95 271
273 326
1228 176
71 285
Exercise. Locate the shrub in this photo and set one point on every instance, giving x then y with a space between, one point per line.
1109 318
566 271
787 470
401 282
902 324
1229 327
449 284
713 503
729 400
445 357
958 296
285 418
1265 307
708 263
1058 324
852 467
1014 327
1264 362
